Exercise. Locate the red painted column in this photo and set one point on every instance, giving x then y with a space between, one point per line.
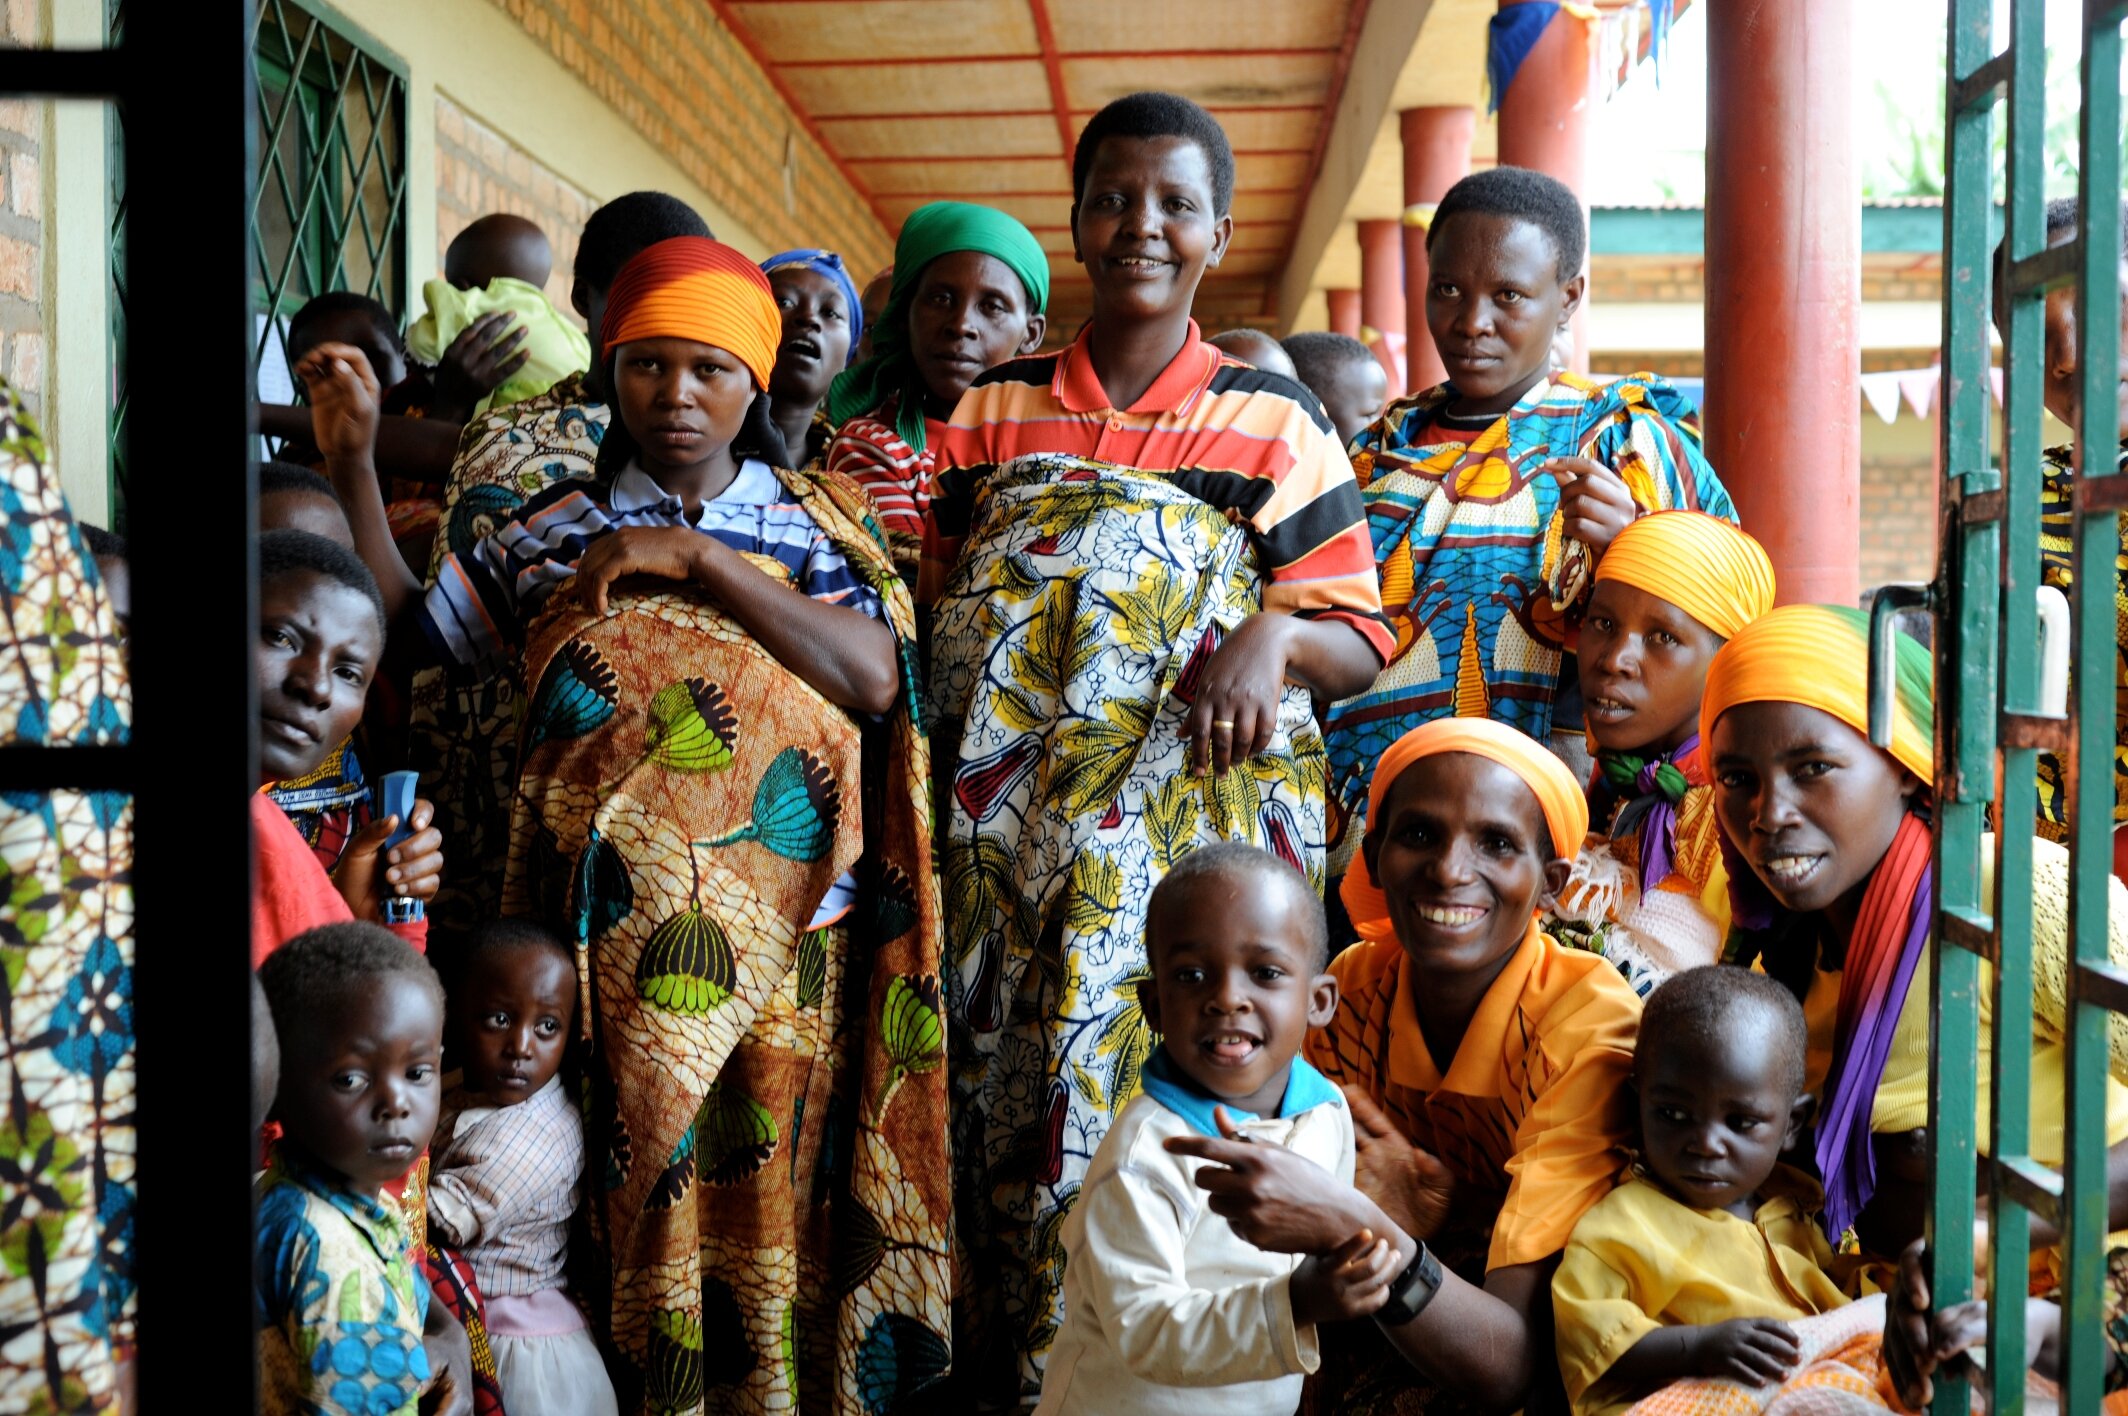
1382 295
1436 156
1344 312
1784 284
1544 122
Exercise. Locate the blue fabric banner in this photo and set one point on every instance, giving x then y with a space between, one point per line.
1510 36
1660 14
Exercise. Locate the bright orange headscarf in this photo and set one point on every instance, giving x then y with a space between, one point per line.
1566 810
691 287
1703 565
1818 656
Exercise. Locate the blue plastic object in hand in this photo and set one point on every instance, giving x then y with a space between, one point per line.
395 797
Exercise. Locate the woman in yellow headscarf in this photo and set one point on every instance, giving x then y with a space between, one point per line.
1649 891
721 802
1486 1067
1829 842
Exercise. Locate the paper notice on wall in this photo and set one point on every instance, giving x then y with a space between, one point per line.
275 383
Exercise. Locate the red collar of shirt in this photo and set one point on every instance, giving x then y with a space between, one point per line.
1179 386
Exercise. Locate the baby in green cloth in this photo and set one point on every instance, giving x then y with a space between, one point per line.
494 271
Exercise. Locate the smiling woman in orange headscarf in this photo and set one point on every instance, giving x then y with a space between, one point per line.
1486 1064
1649 891
1830 853
741 861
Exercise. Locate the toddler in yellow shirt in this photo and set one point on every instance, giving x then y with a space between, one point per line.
1696 1265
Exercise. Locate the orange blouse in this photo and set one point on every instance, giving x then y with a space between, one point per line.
1534 1116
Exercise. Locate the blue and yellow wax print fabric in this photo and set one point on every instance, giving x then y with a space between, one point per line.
341 1302
1478 582
67 1289
466 721
1066 649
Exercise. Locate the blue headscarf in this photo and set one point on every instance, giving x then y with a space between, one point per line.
829 264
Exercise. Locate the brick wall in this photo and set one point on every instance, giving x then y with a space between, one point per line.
1898 516
1643 280
480 172
680 79
22 251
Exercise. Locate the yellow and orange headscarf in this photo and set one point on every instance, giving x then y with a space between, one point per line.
690 287
1706 567
1818 656
1566 810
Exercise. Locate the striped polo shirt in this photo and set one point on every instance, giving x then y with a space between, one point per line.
478 606
1255 445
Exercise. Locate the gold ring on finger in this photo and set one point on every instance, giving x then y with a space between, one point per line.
1227 723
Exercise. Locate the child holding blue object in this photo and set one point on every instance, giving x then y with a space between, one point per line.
345 1321
1166 1308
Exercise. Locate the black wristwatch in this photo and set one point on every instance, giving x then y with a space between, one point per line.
1412 1291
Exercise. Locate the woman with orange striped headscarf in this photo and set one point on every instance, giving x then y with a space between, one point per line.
1649 890
721 802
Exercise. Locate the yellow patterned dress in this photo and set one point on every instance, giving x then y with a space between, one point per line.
766 1146
1065 654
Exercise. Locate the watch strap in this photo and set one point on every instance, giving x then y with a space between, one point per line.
1413 1289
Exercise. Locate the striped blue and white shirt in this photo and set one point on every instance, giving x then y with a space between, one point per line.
480 602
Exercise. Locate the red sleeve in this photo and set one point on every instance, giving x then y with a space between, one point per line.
291 892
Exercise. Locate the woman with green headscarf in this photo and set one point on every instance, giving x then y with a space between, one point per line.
970 288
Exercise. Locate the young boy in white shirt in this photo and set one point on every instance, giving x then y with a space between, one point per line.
1166 1308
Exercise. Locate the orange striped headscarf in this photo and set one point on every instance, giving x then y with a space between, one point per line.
1706 567
1566 810
691 287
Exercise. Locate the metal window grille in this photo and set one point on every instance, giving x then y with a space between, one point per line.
194 621
330 138
1988 692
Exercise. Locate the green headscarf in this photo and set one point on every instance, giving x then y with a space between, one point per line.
931 231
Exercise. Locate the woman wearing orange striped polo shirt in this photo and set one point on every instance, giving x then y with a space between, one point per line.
1154 553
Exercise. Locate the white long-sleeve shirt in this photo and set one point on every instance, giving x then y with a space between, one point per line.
1166 1309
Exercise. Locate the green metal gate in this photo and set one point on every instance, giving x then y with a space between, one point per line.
1988 689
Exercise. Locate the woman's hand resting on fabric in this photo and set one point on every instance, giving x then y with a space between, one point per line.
369 874
1593 500
1411 1185
344 399
667 552
1277 1200
1236 711
1351 1281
